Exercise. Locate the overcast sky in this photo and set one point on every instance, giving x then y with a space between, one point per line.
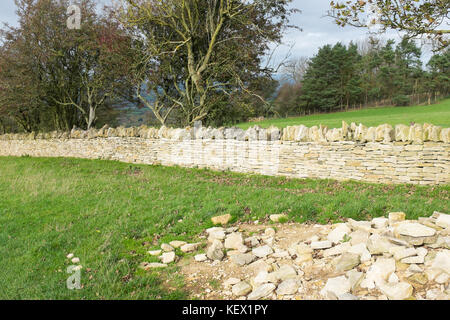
317 29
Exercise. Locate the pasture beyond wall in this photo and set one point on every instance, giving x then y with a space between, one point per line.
405 154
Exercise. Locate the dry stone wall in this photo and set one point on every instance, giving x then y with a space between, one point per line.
418 154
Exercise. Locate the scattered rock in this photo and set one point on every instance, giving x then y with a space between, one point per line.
262 291
241 289
347 296
269 232
262 251
215 251
348 261
338 233
380 223
155 252
358 237
397 291
223 219
167 247
361 250
285 272
177 244
200 257
381 259
189 247
168 257
336 250
251 242
289 286
321 244
75 260
231 282
242 259
414 229
337 286
378 273
442 262
234 241
395 217
355 278
443 220
418 279
216 235
378 244
278 217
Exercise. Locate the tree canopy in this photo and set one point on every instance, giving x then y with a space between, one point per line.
190 51
429 18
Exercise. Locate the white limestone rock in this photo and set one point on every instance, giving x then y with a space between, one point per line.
167 247
362 251
189 247
241 289
359 236
396 291
348 261
337 286
155 252
168 257
289 286
283 273
215 250
338 233
378 272
200 257
278 217
262 291
262 251
380 222
336 250
234 241
177 243
321 244
443 220
414 229
442 261
242 259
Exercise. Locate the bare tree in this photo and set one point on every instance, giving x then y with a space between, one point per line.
295 69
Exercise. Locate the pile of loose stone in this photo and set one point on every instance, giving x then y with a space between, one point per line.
386 258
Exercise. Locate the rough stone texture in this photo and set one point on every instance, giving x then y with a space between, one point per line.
215 251
262 291
337 286
381 265
223 219
397 291
381 154
241 289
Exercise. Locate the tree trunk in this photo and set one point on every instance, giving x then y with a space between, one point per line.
91 118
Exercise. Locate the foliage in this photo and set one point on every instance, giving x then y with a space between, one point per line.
56 78
370 73
188 51
415 17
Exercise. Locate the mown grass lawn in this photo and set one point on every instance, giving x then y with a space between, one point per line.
437 114
109 214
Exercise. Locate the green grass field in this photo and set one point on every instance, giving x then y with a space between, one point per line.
437 114
109 214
